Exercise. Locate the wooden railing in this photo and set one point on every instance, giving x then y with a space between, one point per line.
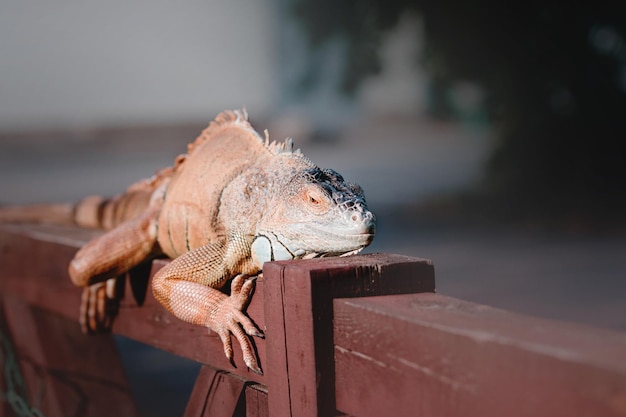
361 336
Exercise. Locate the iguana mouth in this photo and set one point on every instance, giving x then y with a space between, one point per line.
364 229
337 243
312 255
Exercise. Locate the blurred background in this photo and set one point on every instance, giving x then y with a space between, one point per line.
488 137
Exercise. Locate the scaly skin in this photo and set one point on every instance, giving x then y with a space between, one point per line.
232 203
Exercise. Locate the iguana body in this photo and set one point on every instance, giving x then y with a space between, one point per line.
232 203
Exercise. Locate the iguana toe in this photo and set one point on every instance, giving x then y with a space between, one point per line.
241 289
232 325
229 318
99 306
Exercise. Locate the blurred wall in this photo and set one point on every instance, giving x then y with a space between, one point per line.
74 64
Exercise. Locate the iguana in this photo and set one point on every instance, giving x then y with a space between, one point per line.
233 202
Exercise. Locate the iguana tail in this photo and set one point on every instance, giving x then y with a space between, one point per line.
86 213
38 213
93 211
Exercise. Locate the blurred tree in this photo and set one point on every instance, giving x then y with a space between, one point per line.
554 76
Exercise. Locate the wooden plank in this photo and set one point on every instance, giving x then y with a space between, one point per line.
199 396
216 394
65 373
299 312
256 401
430 355
34 263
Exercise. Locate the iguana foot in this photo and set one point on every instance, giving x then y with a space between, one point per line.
99 306
228 317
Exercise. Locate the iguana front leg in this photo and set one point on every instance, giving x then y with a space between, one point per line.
188 288
105 258
116 251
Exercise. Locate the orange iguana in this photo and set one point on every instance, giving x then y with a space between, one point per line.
233 202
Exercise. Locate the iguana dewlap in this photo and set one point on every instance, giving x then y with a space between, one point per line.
233 202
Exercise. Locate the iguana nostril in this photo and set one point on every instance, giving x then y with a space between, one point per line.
352 217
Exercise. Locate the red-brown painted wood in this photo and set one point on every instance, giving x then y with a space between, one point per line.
334 344
256 401
34 263
216 394
430 355
300 356
65 373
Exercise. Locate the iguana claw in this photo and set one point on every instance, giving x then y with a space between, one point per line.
99 306
229 318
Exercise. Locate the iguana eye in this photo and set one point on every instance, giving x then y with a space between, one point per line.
315 200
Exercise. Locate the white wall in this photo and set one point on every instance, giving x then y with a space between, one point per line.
81 63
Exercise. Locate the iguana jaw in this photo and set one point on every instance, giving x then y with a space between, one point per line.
269 247
335 240
312 240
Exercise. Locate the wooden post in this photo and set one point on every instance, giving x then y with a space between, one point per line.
299 318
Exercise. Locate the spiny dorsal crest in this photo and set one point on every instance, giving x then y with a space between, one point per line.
239 118
280 147
224 119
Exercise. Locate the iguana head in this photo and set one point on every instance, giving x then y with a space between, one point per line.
319 214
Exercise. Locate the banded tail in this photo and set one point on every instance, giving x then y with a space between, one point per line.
93 211
38 213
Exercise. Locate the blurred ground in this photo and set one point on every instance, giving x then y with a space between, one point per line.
401 163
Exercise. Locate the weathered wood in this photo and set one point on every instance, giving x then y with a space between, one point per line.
65 373
300 356
430 355
256 401
32 255
216 394
334 344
